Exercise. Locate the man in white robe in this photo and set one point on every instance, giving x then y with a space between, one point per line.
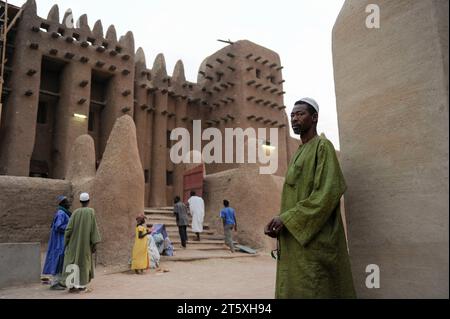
197 210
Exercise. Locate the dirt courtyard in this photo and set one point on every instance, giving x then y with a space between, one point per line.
233 278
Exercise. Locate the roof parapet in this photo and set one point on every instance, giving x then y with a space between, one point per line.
159 66
29 8
111 34
140 59
82 23
53 14
68 19
97 31
127 42
178 72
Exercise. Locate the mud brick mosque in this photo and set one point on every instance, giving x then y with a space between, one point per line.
82 110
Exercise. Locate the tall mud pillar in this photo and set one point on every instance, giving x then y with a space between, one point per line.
22 105
179 87
392 102
74 99
148 144
120 91
181 112
158 178
143 117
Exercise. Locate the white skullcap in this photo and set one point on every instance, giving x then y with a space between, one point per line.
84 197
311 102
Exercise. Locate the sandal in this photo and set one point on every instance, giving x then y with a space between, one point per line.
74 290
57 286
85 290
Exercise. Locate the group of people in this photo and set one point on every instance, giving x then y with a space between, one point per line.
196 208
312 256
149 244
73 240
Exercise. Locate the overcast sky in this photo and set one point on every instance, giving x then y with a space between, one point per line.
298 30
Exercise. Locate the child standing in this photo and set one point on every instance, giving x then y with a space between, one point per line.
139 260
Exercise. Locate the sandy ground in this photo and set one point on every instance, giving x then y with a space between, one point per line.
236 278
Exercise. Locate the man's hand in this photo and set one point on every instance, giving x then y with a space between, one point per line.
93 249
268 232
274 227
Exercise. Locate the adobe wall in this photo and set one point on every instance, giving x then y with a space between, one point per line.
20 264
92 73
80 51
392 102
241 86
27 207
255 197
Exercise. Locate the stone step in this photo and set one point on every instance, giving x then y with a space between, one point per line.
169 223
176 240
160 217
162 208
157 211
165 220
214 237
174 231
196 254
178 247
168 217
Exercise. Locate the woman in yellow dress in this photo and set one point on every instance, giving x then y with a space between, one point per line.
139 260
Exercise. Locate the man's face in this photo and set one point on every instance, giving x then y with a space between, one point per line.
301 119
65 203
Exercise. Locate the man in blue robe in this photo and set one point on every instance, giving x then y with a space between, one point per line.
55 252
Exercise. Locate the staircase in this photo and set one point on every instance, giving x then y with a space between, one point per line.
210 245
